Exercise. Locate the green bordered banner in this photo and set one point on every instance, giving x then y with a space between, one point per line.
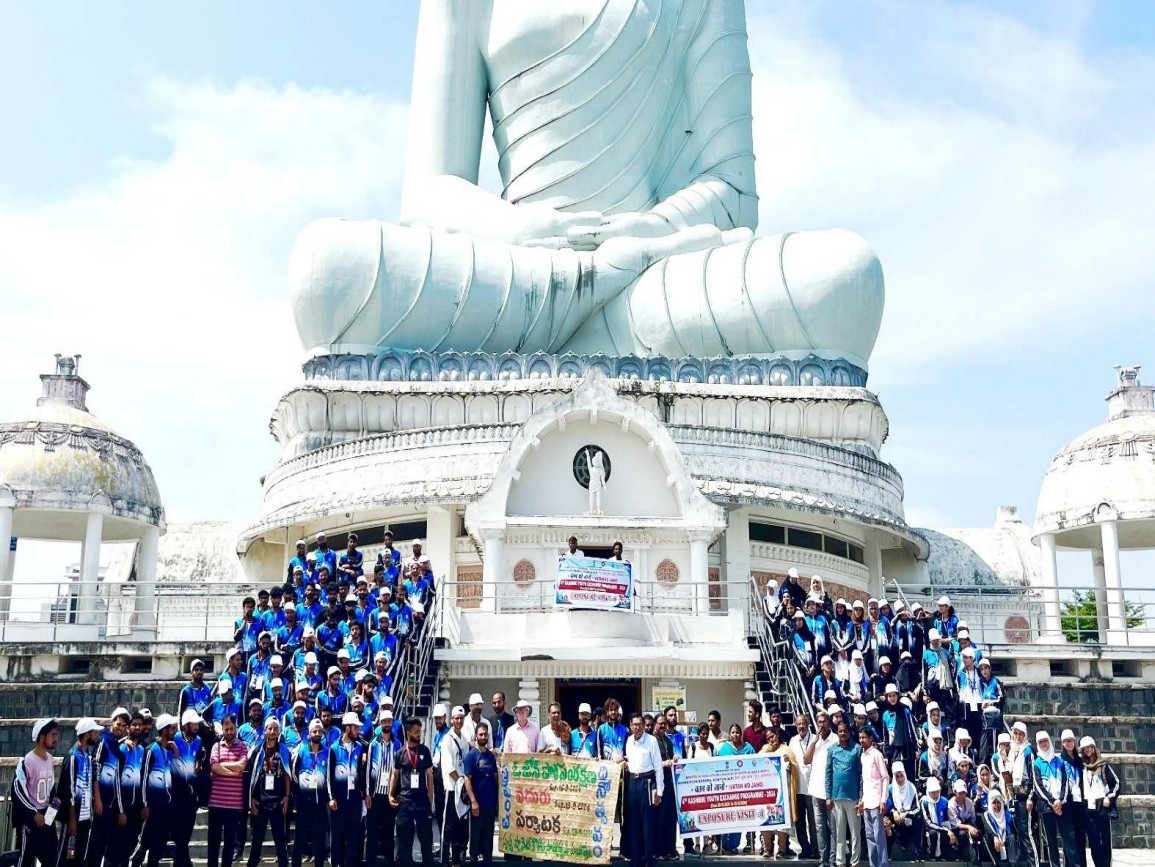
557 808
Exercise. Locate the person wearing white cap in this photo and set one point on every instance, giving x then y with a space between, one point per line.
453 747
189 774
333 696
225 704
825 681
347 791
309 773
295 725
195 694
945 620
1100 786
235 674
254 725
793 588
963 747
583 738
156 792
897 722
934 761
1051 785
323 555
108 763
382 816
856 682
75 790
33 793
1077 808
300 560
938 674
475 707
418 571
963 820
440 715
933 807
269 793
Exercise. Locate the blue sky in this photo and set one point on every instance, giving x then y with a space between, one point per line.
156 162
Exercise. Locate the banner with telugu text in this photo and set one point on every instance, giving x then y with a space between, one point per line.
732 794
591 582
557 808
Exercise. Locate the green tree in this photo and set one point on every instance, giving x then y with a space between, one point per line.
1080 617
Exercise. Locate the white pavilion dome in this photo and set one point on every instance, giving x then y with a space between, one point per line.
1111 466
61 457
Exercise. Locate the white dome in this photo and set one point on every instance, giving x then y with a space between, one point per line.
62 458
1111 465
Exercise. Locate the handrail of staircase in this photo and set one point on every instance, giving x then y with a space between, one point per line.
420 657
777 655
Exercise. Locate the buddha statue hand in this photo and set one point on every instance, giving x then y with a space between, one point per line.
590 235
540 225
633 255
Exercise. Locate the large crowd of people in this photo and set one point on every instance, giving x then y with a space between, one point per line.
899 749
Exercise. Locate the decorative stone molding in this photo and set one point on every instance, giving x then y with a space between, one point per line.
667 573
599 669
1017 630
818 561
398 366
469 587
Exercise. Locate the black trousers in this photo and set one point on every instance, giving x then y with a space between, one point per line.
184 818
1078 811
438 799
103 836
804 826
1060 833
124 840
454 831
312 831
223 825
157 832
268 816
346 833
643 822
666 842
79 845
481 836
1099 837
410 823
381 845
37 844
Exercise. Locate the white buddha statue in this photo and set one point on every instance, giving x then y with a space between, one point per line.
625 226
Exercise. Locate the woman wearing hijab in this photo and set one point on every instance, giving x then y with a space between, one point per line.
805 649
999 832
841 638
1051 785
934 763
903 821
856 684
1101 790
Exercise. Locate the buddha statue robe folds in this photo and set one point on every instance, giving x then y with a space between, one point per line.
625 226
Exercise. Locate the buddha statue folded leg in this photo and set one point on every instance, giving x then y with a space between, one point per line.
792 294
361 286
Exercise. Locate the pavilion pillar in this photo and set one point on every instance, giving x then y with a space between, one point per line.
492 569
441 542
146 579
1052 622
89 590
1113 585
736 559
700 571
1099 573
7 516
529 690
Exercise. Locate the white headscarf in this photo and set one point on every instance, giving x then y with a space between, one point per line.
904 795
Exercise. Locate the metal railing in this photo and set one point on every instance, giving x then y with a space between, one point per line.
419 657
777 655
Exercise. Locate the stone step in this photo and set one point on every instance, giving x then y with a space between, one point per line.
1078 699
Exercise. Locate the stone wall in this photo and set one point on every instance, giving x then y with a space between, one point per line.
28 701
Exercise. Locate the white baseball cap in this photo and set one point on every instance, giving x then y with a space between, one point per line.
1067 735
384 715
968 651
962 734
1020 726
120 711
190 717
1004 738
523 704
584 706
829 695
932 706
342 653
960 786
1087 741
933 785
890 687
476 699
350 719
870 705
332 670
859 710
792 572
439 710
86 725
224 685
276 681
165 720
884 660
275 659
932 634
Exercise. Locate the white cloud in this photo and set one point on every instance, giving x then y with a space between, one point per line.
169 277
1002 212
